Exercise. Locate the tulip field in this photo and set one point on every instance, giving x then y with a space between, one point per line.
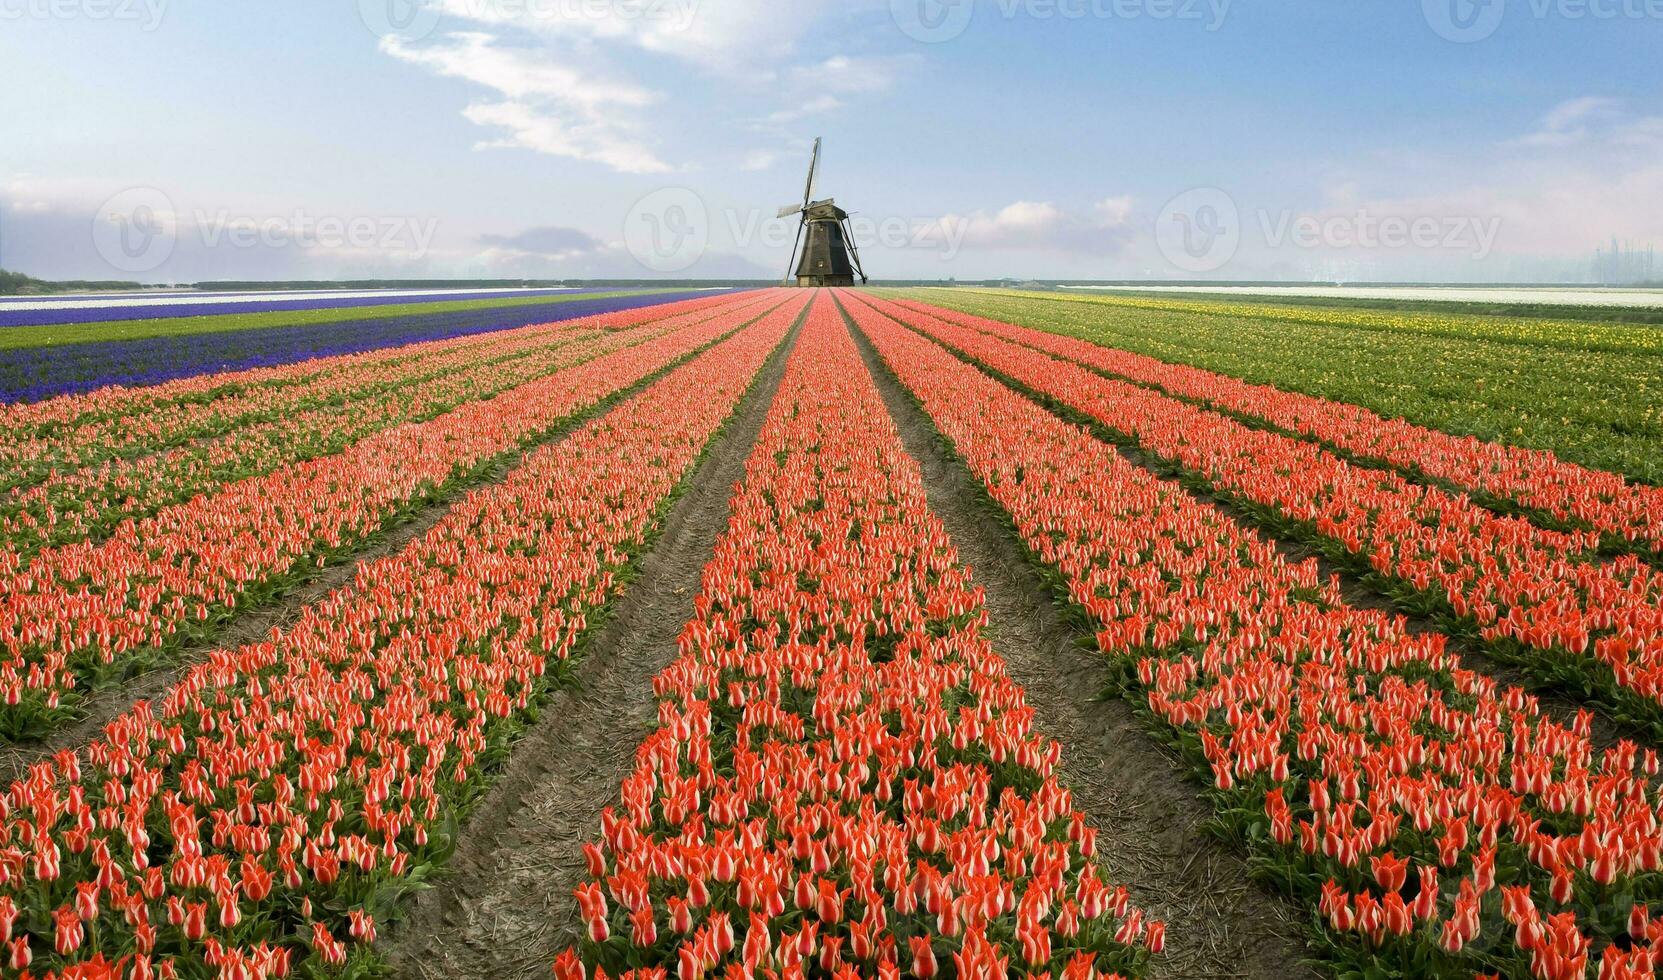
1389 669
53 352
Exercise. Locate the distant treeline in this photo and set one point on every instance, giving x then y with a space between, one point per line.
18 284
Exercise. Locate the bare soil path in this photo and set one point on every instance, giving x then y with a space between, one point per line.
504 907
1148 814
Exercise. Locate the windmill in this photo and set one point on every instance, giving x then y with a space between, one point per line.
830 257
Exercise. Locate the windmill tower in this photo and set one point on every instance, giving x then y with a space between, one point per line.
830 257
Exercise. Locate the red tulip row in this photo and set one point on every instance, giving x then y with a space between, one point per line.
263 817
78 504
73 431
845 781
74 611
1518 584
1453 827
1527 478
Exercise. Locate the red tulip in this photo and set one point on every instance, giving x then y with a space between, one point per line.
20 955
1155 938
69 933
923 958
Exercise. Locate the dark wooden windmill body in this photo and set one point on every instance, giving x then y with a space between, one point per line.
829 255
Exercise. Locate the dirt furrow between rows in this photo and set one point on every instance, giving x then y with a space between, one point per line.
1150 818
504 907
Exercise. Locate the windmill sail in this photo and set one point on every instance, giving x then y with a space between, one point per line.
808 186
813 171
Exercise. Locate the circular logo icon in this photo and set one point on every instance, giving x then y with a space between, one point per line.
1464 21
668 230
135 230
932 21
407 19
1199 230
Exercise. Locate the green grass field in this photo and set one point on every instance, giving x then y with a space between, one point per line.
1590 392
77 333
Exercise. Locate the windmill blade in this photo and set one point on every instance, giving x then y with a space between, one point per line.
813 171
854 250
789 210
790 268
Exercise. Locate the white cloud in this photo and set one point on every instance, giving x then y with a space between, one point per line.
554 63
812 107
847 74
1103 228
535 127
1567 123
550 107
817 88
516 72
725 36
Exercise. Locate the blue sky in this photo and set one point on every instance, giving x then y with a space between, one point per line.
631 138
